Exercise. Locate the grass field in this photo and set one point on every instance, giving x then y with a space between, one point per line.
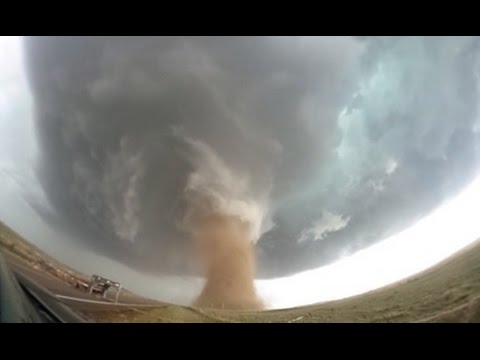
448 292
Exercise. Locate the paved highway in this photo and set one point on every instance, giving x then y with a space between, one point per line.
64 298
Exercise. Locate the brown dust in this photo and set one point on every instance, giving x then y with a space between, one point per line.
228 261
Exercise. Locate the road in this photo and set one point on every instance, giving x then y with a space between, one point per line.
52 291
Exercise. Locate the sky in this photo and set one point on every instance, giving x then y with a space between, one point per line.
329 147
432 239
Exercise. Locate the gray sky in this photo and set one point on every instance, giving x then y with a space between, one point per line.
326 144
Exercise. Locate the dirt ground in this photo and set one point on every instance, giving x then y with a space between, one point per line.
448 292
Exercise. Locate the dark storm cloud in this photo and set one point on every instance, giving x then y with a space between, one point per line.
326 144
417 108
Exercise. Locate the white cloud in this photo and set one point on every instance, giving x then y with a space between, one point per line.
213 185
125 170
377 186
391 166
328 223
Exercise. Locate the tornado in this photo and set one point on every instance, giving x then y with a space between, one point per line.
228 261
224 218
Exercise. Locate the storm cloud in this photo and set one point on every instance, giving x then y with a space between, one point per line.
323 144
